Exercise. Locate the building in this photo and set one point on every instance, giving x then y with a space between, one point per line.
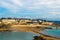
47 23
9 21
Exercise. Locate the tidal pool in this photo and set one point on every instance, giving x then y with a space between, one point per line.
16 36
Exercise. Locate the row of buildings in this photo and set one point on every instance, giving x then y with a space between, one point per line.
24 21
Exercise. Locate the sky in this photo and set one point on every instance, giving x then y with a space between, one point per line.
46 9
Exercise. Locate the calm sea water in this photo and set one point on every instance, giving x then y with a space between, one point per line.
16 36
54 33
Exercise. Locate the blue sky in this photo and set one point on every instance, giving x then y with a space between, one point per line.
47 9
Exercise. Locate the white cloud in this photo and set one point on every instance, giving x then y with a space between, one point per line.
12 5
37 4
32 4
47 3
16 5
55 4
54 13
17 2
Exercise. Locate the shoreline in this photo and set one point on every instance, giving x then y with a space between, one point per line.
30 29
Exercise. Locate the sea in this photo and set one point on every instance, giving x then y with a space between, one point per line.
53 33
17 35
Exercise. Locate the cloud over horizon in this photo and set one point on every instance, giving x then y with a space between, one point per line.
30 8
